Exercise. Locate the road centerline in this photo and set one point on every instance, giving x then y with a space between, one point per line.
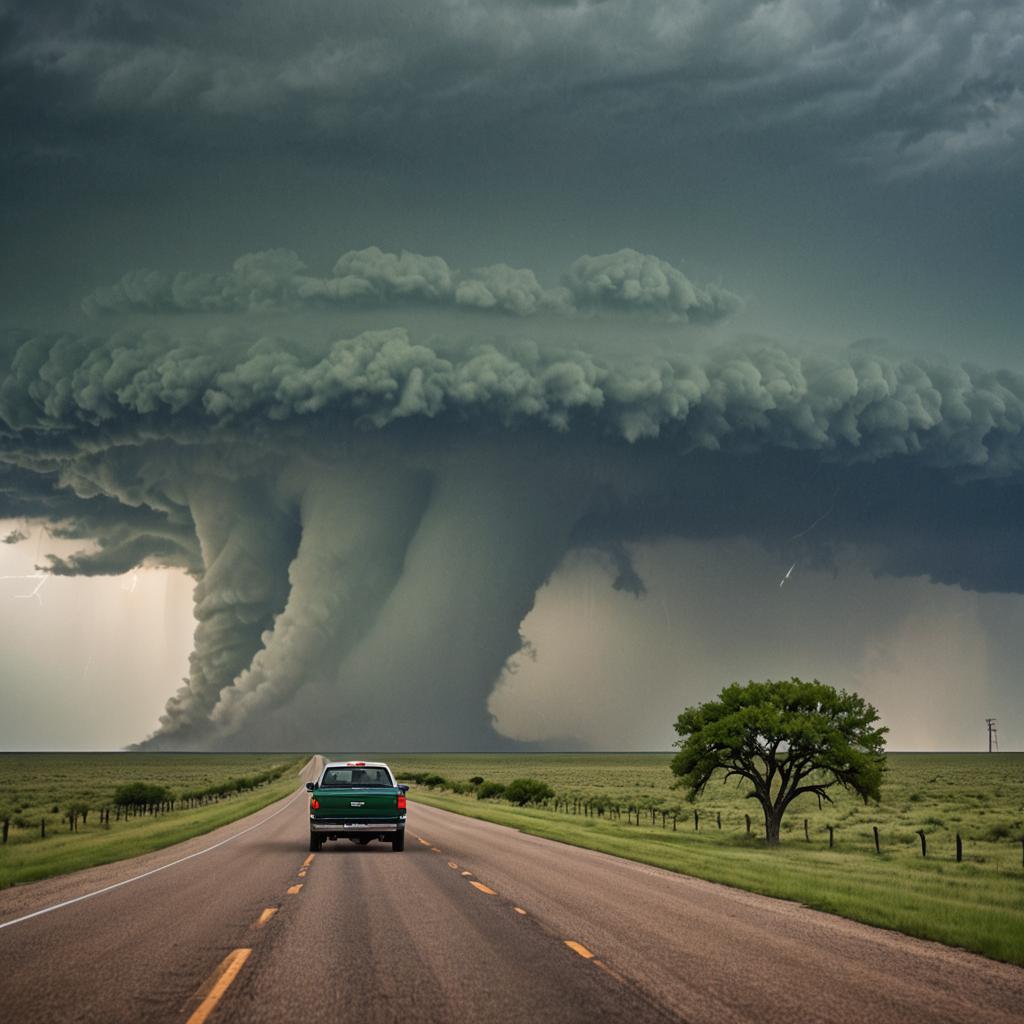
222 978
579 949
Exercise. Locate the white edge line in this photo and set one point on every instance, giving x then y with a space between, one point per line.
153 871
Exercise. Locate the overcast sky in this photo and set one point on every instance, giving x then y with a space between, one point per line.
826 177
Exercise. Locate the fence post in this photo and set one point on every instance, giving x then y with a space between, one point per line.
696 821
747 816
719 819
674 820
924 842
807 834
831 836
878 849
959 848
7 825
42 828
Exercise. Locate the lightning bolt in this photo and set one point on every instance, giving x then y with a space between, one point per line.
41 577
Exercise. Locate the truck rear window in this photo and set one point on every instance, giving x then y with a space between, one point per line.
339 777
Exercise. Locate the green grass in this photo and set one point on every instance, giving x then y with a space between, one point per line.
32 785
978 904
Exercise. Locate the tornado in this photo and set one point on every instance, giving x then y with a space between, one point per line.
356 521
247 542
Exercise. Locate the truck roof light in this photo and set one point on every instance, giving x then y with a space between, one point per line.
356 764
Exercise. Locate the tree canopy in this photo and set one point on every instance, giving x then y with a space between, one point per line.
785 738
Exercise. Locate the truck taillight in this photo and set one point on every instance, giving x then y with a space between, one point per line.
314 804
401 801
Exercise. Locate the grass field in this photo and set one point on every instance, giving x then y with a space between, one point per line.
977 904
43 786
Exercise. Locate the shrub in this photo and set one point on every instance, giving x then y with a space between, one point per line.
476 780
489 790
140 794
528 791
1001 830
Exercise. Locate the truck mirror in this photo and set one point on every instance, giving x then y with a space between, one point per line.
311 786
402 788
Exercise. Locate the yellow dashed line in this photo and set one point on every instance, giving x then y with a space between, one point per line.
222 978
424 841
293 889
302 874
266 916
308 860
467 874
453 865
582 950
519 910
434 849
483 888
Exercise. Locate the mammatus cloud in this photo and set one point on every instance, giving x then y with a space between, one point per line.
368 519
626 281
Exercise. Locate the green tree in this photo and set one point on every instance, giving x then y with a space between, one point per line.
785 738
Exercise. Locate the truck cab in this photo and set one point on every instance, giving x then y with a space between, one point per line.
359 801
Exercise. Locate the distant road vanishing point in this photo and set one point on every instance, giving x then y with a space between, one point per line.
473 922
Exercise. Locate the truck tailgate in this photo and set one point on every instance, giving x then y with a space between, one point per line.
371 802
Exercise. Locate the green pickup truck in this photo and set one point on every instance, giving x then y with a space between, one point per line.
357 800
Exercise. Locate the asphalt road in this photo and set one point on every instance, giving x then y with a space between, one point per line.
473 922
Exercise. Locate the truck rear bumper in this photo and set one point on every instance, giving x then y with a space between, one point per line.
355 826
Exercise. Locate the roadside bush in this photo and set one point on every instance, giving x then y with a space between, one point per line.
528 791
476 780
489 790
141 794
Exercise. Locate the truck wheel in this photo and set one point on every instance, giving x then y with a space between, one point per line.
315 842
398 841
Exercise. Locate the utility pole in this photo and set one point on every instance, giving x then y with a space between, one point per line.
993 739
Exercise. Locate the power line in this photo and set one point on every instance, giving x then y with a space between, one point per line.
993 738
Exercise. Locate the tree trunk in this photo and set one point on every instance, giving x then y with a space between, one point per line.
772 823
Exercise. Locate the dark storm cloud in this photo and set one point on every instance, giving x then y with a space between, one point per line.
624 281
351 507
909 86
